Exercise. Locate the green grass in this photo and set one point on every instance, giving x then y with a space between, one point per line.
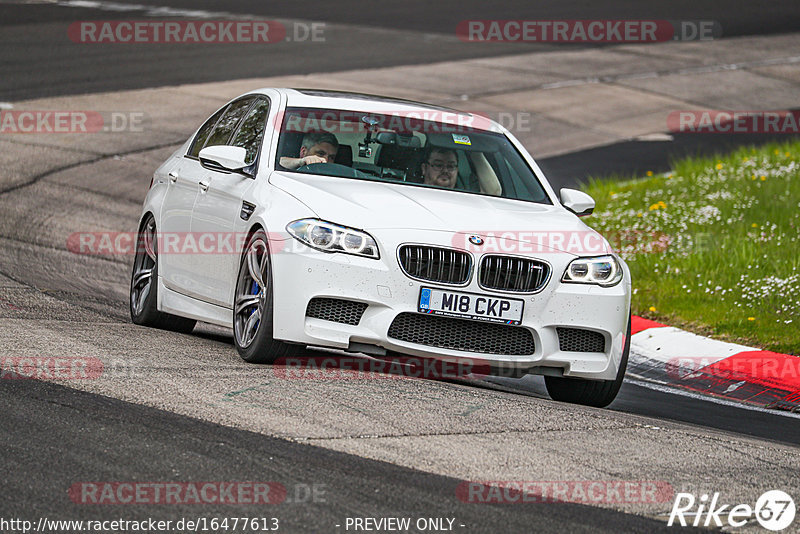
713 246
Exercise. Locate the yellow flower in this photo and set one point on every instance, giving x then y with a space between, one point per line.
719 166
754 177
754 225
640 214
763 178
786 154
777 151
669 176
649 173
652 308
751 318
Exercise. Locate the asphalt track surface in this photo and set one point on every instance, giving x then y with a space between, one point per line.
53 436
38 60
86 437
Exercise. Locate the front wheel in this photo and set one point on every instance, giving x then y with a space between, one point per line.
597 393
252 307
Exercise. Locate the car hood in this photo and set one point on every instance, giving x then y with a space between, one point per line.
374 206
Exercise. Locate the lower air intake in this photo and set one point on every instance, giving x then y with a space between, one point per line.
461 334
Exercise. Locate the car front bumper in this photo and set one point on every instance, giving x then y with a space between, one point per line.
301 274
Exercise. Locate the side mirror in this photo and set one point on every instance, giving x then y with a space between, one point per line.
577 202
223 158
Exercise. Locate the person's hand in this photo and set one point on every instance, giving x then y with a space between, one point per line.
312 159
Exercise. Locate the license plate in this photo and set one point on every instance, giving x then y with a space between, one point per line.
471 306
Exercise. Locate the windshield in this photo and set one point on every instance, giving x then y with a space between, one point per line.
407 148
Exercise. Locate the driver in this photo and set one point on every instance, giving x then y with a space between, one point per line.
317 147
440 167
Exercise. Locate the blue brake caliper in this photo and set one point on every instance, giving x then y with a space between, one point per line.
254 291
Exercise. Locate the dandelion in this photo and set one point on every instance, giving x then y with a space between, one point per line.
777 151
751 318
649 173
754 225
763 178
754 177
719 166
640 214
652 308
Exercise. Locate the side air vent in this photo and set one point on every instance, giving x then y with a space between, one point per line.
247 210
336 310
580 340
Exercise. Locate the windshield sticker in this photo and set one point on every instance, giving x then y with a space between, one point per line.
461 139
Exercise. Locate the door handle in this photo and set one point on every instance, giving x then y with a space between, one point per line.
173 176
204 186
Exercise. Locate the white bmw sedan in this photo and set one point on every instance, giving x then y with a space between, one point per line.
381 226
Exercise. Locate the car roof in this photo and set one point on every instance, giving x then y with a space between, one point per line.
330 99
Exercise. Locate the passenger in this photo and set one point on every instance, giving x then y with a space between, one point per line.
317 147
440 168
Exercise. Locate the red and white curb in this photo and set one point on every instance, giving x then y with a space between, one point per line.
668 355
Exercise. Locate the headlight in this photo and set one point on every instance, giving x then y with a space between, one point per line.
330 237
603 270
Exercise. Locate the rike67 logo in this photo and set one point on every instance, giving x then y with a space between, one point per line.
774 510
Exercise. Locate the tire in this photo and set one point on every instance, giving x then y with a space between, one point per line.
597 393
252 305
144 285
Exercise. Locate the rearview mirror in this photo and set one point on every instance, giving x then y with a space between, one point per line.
223 158
577 202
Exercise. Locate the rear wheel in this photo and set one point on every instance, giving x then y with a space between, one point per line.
252 307
598 393
144 284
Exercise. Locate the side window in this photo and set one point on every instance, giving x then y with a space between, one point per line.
251 131
228 122
202 134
